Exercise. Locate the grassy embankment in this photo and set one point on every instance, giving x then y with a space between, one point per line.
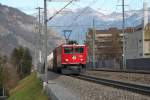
30 88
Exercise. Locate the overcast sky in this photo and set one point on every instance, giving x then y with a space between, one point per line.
107 6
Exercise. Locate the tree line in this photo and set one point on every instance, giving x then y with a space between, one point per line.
14 68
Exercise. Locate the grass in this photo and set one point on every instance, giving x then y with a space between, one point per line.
30 88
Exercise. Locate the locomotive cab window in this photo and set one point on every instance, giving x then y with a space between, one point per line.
79 50
68 50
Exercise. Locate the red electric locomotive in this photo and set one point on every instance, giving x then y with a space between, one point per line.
70 58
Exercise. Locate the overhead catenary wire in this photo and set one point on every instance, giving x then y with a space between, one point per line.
79 15
60 10
76 17
98 25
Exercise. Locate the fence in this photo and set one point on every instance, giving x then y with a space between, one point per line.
108 63
138 64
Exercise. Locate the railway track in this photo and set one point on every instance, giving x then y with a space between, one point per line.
123 71
141 89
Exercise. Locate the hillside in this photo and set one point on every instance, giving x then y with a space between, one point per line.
29 88
18 28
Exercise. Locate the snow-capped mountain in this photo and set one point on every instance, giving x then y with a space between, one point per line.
81 19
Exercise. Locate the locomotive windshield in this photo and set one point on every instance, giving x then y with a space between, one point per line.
70 50
79 50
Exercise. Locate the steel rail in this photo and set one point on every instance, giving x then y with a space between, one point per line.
123 71
136 88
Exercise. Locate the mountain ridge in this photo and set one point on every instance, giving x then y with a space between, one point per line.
79 20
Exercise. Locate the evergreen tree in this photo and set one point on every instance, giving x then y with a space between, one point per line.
22 59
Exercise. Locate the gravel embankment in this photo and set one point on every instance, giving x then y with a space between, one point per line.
129 77
91 91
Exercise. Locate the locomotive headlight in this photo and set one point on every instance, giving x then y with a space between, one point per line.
66 59
81 59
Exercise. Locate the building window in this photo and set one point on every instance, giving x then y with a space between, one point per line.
141 54
147 54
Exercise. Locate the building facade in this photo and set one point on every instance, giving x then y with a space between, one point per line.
138 42
108 47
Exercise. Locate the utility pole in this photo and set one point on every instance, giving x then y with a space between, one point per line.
35 55
40 48
145 22
45 39
93 45
45 31
123 32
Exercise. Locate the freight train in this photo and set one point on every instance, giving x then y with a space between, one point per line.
69 58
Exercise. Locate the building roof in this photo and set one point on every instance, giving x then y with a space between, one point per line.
114 29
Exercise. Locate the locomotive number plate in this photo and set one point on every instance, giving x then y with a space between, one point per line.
74 57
